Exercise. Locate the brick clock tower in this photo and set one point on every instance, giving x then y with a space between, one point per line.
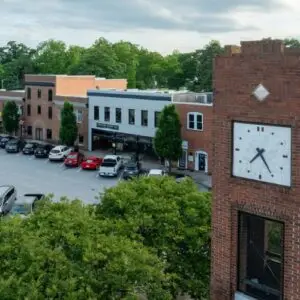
256 173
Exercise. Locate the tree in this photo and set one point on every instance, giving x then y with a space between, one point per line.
10 117
167 140
171 219
68 128
61 252
292 43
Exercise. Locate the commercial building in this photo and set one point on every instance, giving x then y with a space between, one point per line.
44 95
196 115
126 119
256 183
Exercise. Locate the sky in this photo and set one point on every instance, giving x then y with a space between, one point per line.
159 25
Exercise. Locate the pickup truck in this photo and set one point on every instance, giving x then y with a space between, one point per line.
111 165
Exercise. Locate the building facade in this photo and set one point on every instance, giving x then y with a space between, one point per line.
126 118
256 161
196 116
43 98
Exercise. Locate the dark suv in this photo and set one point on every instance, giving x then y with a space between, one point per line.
42 151
14 146
4 140
30 148
132 169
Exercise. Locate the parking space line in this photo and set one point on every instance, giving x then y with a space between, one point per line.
62 165
79 170
97 175
46 161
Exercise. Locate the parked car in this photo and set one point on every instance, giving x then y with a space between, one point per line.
8 196
4 140
42 151
14 146
29 148
111 165
59 153
25 205
132 169
91 163
156 172
74 159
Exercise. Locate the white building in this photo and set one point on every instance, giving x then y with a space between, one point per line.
124 117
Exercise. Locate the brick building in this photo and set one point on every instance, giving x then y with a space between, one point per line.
43 98
256 163
196 116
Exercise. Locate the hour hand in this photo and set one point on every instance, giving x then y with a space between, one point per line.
259 153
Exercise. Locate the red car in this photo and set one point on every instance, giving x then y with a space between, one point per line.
74 159
91 163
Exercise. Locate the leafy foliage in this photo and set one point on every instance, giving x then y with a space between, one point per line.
172 219
68 128
167 140
61 252
10 117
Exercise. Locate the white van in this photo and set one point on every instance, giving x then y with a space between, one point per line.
111 165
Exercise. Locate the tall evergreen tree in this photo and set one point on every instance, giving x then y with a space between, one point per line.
10 117
68 128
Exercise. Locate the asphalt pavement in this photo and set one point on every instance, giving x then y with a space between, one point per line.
31 175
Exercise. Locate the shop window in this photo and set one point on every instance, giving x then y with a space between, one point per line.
106 114
49 134
131 116
144 118
156 118
118 115
260 250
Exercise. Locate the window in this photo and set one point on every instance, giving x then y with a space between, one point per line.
79 116
28 93
28 110
50 95
20 110
144 118
156 118
106 114
260 270
50 112
131 116
39 110
96 113
118 115
80 139
49 134
195 121
39 93
29 130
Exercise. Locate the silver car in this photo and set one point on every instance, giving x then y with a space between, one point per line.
8 196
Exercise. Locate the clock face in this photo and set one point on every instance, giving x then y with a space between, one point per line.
262 152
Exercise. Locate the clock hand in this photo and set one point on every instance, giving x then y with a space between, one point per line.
259 153
263 158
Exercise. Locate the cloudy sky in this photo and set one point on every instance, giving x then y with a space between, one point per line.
161 25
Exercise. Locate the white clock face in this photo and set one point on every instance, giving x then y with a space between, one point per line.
262 152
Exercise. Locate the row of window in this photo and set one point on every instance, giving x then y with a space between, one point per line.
39 94
131 116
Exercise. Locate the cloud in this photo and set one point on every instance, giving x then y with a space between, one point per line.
144 21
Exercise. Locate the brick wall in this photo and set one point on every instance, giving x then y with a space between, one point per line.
235 76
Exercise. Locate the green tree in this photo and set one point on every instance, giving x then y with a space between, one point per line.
292 43
171 219
167 140
68 128
10 117
61 252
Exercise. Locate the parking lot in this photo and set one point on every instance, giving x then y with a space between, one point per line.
31 175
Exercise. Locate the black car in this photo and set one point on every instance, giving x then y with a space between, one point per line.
30 148
132 169
14 146
4 140
42 151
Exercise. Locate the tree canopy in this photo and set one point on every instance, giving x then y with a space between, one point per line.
68 131
167 140
10 117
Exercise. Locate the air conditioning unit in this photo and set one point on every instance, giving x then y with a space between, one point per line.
201 99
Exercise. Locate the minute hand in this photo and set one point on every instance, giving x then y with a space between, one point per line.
263 159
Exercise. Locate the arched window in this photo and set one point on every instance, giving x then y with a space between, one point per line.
195 121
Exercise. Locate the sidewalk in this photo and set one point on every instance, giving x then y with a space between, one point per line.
149 163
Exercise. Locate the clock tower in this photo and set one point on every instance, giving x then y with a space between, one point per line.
256 168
